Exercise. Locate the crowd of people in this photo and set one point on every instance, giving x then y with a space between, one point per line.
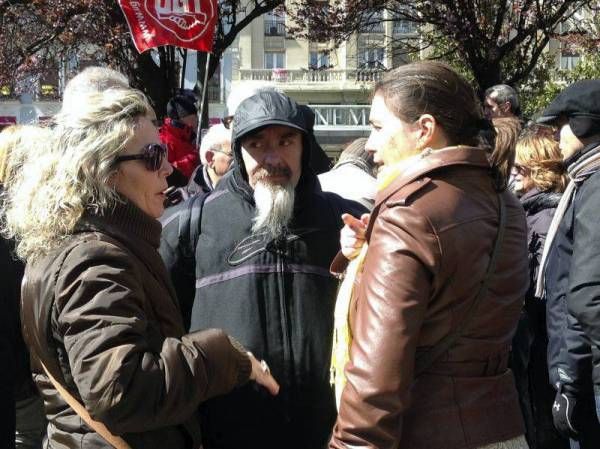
435 289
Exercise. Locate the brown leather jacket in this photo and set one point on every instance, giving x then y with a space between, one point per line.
432 235
102 315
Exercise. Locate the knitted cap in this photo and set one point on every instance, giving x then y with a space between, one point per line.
181 106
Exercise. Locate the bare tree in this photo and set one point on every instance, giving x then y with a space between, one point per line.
498 41
36 35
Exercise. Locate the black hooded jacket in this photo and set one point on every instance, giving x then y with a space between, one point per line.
572 286
572 283
275 296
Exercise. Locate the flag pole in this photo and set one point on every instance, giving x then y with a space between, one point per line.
184 66
201 111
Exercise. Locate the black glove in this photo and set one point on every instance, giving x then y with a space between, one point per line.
565 414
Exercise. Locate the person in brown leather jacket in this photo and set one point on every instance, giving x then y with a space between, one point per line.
430 240
100 315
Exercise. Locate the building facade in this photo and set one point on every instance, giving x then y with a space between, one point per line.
335 82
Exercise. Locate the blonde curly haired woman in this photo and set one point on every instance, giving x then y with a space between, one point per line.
100 315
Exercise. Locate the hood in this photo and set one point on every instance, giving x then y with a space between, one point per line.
266 109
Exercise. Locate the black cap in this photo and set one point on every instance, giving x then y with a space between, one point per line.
268 108
580 104
181 106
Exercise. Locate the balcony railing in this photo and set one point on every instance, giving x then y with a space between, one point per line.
302 76
274 28
341 116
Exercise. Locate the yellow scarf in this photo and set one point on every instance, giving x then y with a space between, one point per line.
342 333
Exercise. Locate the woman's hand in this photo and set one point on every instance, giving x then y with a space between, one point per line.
262 375
352 235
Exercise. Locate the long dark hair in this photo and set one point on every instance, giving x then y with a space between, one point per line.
431 87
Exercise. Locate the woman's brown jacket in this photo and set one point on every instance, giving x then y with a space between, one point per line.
433 232
102 315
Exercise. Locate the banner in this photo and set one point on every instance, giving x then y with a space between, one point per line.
182 23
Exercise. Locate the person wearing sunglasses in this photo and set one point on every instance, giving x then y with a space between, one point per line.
539 179
110 353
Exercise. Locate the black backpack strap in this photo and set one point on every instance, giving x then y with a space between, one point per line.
189 230
428 358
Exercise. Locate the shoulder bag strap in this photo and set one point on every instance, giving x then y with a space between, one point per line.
423 362
97 426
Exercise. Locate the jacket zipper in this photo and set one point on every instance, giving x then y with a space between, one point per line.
287 351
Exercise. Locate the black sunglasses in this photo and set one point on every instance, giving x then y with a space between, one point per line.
152 154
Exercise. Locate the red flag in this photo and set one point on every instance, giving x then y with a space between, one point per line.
183 23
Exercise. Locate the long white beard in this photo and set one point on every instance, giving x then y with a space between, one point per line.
274 207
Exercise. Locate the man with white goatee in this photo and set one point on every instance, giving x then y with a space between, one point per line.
266 237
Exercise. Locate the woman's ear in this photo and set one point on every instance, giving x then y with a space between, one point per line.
427 127
505 107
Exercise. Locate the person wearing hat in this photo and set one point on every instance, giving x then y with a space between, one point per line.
569 277
267 236
178 133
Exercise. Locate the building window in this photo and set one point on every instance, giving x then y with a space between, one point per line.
274 60
403 26
571 24
373 22
323 10
275 22
319 60
274 28
276 15
371 58
569 59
